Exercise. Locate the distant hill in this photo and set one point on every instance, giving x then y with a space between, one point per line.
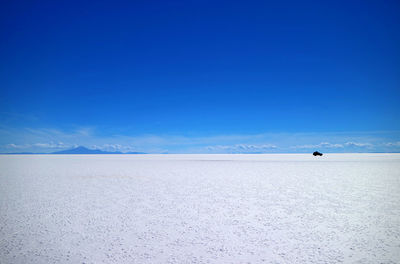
78 150
83 150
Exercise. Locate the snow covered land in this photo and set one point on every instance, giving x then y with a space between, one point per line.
281 208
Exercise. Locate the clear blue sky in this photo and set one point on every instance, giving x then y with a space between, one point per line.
159 76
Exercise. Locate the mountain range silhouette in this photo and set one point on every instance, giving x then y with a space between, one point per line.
84 150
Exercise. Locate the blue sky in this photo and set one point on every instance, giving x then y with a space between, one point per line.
200 76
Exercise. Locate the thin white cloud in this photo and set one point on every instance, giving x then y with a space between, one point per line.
115 147
16 146
52 145
356 144
320 145
329 145
242 148
334 145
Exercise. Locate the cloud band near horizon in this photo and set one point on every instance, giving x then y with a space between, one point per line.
50 140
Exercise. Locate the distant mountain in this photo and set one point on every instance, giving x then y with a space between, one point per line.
78 150
83 150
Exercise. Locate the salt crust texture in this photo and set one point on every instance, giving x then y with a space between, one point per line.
288 208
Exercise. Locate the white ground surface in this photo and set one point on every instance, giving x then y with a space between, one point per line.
200 208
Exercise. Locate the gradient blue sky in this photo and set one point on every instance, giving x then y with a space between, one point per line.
200 76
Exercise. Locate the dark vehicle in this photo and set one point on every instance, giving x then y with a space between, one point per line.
316 153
